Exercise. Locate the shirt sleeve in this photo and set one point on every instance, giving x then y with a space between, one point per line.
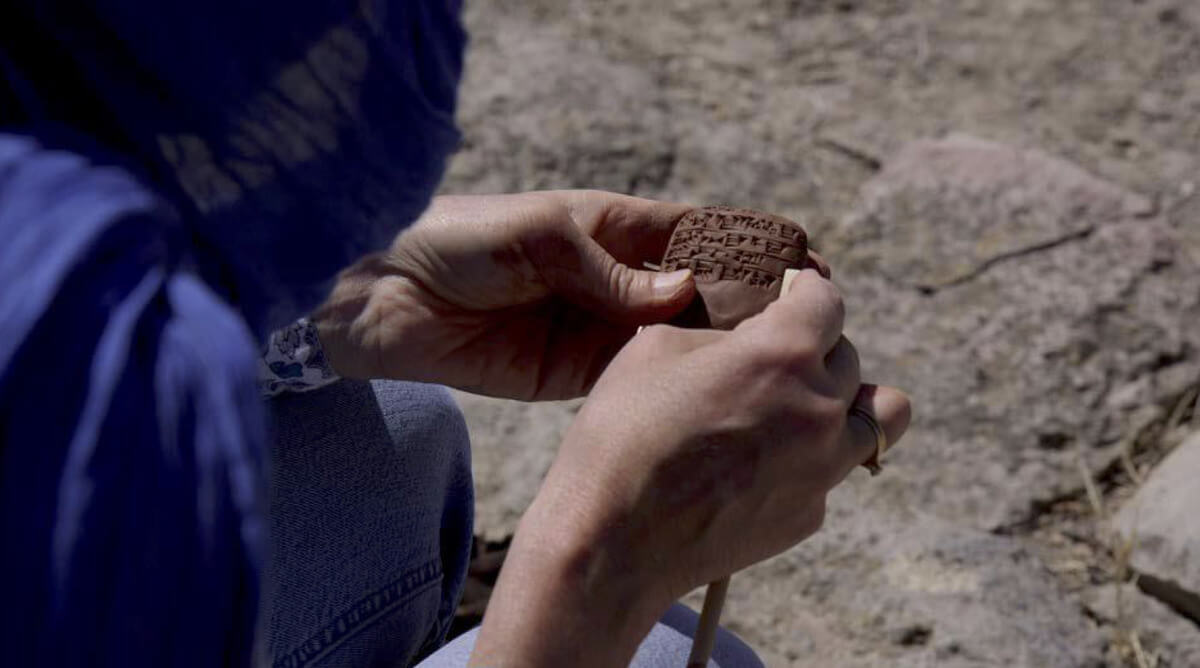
293 361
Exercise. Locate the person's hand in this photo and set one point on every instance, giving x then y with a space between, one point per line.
523 296
698 453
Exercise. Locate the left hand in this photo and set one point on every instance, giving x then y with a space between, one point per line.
524 296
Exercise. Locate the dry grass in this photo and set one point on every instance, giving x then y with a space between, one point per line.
1080 545
1125 641
1149 445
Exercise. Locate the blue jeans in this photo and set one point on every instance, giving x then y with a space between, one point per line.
371 520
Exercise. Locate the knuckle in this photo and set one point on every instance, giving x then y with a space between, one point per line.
839 407
822 295
785 348
837 301
654 339
815 285
829 414
620 281
805 281
805 348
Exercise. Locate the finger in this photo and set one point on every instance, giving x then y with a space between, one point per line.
810 315
617 291
633 230
842 364
817 262
890 408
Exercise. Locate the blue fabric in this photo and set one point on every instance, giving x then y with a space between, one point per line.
668 645
370 550
297 136
176 179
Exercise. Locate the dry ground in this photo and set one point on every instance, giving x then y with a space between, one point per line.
793 106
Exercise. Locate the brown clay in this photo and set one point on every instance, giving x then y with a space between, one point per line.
738 257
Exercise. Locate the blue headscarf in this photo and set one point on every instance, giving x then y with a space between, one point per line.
176 179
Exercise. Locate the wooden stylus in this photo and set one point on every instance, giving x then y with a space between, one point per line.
710 617
714 596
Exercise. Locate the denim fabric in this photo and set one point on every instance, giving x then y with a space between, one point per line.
371 510
667 646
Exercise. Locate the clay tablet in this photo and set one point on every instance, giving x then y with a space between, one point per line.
738 257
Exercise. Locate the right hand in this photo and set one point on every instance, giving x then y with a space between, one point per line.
698 453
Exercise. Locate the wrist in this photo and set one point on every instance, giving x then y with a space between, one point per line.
362 322
568 595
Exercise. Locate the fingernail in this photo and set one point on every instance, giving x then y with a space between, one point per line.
789 275
669 284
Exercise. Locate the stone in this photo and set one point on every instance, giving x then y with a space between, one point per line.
1163 635
1029 335
1032 309
893 587
1160 521
529 123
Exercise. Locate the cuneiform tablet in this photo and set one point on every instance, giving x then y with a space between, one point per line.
738 258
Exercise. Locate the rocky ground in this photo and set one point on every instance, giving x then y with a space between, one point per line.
1009 194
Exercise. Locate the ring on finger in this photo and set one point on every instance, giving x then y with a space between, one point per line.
873 464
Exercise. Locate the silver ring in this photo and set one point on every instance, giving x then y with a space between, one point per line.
874 465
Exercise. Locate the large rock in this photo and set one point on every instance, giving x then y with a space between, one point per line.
1160 632
1160 521
1037 314
898 588
1035 310
543 110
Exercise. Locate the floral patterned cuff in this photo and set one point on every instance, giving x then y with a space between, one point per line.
293 361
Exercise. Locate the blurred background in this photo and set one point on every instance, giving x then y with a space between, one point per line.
1007 191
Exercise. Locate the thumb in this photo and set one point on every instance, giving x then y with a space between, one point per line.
620 292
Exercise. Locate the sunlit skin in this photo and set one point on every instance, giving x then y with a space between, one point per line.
697 452
522 296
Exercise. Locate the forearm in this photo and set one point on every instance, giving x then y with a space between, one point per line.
565 598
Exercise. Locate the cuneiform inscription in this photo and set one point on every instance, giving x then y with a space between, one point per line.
736 245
